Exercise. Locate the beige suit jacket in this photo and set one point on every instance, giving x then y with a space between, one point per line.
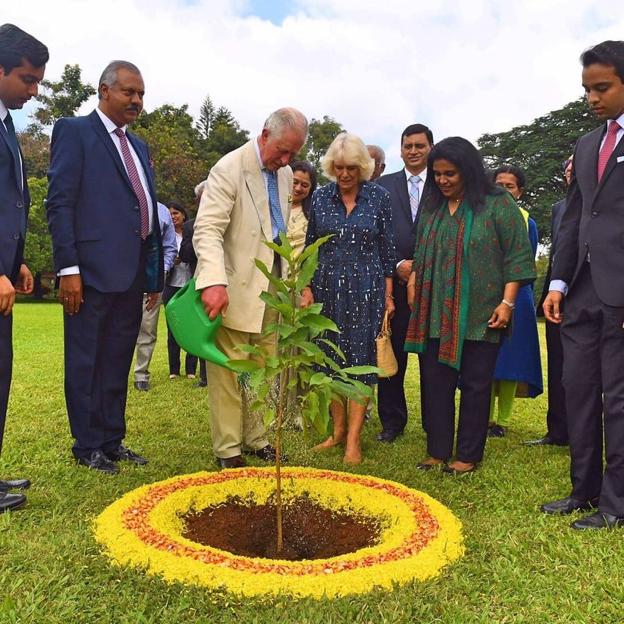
233 222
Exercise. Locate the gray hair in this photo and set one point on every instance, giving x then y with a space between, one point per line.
109 75
378 153
287 118
199 189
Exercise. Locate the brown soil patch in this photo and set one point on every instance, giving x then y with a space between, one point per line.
310 531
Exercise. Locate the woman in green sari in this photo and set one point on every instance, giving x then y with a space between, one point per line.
472 254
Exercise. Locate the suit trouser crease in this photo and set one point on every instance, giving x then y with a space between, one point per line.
230 422
593 377
439 383
6 368
99 344
556 419
391 403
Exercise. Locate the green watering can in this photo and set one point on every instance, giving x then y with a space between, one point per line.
191 327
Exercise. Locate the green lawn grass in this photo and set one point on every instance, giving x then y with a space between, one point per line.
520 565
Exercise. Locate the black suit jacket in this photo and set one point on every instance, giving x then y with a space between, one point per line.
592 221
555 223
402 224
14 205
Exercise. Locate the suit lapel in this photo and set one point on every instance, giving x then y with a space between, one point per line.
400 182
257 189
139 148
100 130
17 169
611 164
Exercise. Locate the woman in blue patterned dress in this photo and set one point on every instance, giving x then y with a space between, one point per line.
354 276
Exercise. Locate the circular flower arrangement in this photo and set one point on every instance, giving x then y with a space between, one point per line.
419 535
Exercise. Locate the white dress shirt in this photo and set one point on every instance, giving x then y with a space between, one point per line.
111 126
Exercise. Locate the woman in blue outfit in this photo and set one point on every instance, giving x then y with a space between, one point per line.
353 280
518 368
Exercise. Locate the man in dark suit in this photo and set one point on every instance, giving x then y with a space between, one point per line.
406 189
22 65
588 270
106 239
556 419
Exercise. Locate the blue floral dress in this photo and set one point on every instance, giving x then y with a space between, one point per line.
353 265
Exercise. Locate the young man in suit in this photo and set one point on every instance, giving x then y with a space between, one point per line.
588 271
556 418
107 247
405 188
245 203
22 65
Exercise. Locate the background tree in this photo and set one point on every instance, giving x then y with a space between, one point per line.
175 145
320 135
220 132
35 145
206 115
62 98
540 148
38 249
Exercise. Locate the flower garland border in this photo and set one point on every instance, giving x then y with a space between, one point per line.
144 529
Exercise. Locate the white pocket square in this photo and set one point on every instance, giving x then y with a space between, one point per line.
620 159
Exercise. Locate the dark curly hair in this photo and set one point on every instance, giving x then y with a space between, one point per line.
465 156
306 167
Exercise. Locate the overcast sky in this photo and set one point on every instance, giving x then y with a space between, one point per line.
463 68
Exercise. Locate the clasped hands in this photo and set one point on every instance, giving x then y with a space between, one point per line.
24 285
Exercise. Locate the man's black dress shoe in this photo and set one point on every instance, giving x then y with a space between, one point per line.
568 505
142 385
202 383
387 436
231 462
425 466
267 453
496 431
598 520
14 484
11 501
98 461
545 441
122 453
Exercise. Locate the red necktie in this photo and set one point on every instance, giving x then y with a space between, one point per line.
607 147
135 180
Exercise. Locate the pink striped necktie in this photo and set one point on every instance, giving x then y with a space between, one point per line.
135 180
607 148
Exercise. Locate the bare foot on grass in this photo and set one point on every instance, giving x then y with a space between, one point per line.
331 442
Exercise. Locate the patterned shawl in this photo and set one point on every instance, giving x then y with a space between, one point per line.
455 287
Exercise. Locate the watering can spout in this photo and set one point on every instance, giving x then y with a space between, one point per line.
191 327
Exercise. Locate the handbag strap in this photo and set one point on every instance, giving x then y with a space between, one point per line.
385 329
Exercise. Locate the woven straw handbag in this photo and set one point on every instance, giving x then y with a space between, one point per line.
386 360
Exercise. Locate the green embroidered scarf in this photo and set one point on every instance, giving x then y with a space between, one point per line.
455 286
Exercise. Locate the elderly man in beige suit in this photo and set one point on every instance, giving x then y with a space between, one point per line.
245 203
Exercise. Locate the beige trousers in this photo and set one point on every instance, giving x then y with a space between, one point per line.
146 341
233 426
